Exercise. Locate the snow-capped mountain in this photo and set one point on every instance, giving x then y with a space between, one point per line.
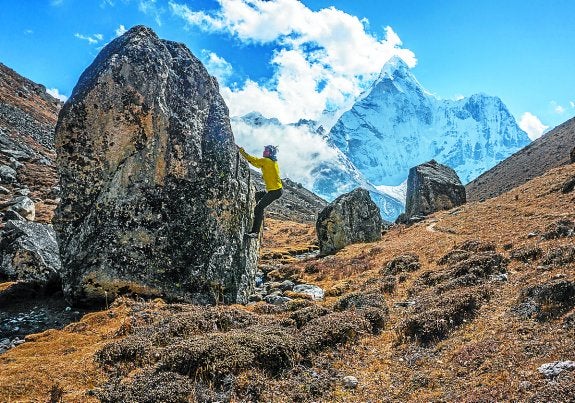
306 157
396 125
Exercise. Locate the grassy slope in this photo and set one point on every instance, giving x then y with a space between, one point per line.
492 357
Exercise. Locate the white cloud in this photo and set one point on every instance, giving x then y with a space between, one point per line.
105 3
29 32
56 94
217 66
531 124
300 150
558 109
150 7
572 104
93 39
56 3
323 58
121 30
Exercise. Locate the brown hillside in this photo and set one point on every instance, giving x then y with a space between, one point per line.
478 298
549 151
26 108
28 117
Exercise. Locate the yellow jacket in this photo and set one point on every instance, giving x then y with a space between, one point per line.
270 170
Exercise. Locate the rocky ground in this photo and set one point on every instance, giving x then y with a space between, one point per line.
472 304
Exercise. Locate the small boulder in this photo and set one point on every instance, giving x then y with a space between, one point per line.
29 252
350 382
552 369
351 218
25 207
314 291
432 187
7 174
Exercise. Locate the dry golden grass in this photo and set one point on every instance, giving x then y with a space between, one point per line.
283 240
59 358
488 358
494 356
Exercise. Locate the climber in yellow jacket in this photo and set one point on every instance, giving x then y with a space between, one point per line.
274 188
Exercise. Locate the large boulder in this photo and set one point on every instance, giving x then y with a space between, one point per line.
432 187
351 218
154 198
29 253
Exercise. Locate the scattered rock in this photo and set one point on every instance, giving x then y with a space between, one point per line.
29 253
11 215
569 321
351 218
276 299
568 186
432 187
350 382
22 192
24 206
54 192
18 155
287 285
316 293
4 191
154 199
7 174
454 256
553 369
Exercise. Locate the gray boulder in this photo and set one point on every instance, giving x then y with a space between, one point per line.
432 187
553 369
154 199
7 174
316 293
24 206
29 253
351 218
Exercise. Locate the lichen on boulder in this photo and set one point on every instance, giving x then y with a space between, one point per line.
154 199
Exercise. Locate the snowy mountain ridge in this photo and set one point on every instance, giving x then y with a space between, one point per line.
397 124
392 127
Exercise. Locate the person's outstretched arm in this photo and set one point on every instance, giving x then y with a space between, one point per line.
257 162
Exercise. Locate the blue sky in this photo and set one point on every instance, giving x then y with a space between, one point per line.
293 59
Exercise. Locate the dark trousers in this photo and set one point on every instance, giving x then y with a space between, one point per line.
263 199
